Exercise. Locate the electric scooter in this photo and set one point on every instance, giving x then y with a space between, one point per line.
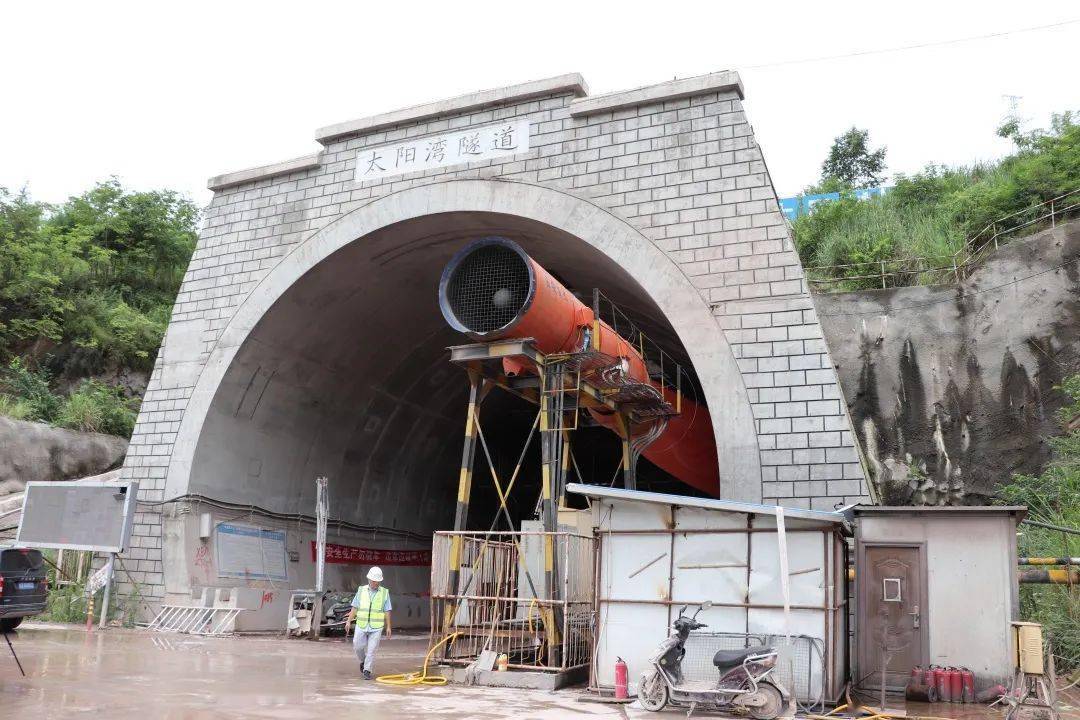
743 681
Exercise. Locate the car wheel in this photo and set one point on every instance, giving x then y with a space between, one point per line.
9 624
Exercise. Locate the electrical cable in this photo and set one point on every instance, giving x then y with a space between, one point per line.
916 46
246 510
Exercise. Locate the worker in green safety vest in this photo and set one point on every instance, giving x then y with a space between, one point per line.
371 612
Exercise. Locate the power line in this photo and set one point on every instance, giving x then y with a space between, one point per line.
917 46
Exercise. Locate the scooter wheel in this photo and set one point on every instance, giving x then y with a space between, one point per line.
773 706
652 692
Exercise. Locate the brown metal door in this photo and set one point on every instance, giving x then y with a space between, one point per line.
891 608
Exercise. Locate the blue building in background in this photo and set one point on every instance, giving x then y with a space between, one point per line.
794 207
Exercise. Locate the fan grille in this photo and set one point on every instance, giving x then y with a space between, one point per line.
488 288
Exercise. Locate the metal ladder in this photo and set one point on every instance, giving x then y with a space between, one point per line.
195 620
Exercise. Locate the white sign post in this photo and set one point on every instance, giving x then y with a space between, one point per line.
108 587
97 581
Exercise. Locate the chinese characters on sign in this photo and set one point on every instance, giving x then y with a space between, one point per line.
484 143
251 552
350 555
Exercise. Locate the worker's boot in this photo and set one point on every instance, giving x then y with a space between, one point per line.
367 674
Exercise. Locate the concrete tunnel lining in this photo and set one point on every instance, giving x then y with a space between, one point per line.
281 332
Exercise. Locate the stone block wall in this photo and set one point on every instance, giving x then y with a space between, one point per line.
678 161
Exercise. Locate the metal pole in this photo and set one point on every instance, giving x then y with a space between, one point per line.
322 510
10 647
108 589
461 512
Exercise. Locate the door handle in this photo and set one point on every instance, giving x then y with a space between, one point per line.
915 617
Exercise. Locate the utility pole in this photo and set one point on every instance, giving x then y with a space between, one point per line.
322 510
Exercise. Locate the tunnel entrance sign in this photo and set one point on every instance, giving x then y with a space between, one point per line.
437 151
94 516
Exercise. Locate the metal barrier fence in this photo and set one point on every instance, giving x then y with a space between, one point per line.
929 270
502 603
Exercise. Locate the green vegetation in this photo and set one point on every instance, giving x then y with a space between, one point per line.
851 163
86 289
915 232
1054 498
67 603
91 407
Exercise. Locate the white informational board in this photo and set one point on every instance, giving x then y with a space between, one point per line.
76 515
246 551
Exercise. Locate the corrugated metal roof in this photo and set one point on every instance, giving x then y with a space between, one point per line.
600 491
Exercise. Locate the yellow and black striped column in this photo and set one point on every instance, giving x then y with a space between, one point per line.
461 512
550 441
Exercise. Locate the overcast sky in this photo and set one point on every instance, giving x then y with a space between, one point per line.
164 95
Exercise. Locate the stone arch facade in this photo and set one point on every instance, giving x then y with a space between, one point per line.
667 181
661 278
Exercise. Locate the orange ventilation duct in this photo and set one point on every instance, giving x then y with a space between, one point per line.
492 290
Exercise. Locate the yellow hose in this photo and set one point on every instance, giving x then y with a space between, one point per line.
421 677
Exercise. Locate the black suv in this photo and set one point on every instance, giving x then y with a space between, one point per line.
23 585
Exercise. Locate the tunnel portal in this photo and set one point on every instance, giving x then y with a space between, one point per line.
307 340
348 376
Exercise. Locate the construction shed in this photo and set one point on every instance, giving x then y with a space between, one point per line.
934 585
775 576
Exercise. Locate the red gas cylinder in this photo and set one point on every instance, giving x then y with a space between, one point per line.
956 685
916 676
944 688
621 675
969 685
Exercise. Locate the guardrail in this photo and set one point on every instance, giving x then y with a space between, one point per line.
913 271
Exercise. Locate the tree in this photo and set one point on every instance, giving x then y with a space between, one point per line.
89 285
852 163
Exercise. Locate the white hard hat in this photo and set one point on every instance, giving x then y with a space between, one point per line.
375 574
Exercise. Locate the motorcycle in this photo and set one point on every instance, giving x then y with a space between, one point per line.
744 683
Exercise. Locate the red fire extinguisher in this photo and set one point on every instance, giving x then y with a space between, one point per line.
621 675
944 689
969 685
916 676
956 685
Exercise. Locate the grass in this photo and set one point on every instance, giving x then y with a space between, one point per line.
25 394
1053 497
914 232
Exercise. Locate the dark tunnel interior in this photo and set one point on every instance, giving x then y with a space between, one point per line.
348 376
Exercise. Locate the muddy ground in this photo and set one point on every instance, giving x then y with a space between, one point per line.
121 674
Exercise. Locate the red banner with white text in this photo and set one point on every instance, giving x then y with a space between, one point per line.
350 555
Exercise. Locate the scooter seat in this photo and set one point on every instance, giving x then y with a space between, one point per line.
729 658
